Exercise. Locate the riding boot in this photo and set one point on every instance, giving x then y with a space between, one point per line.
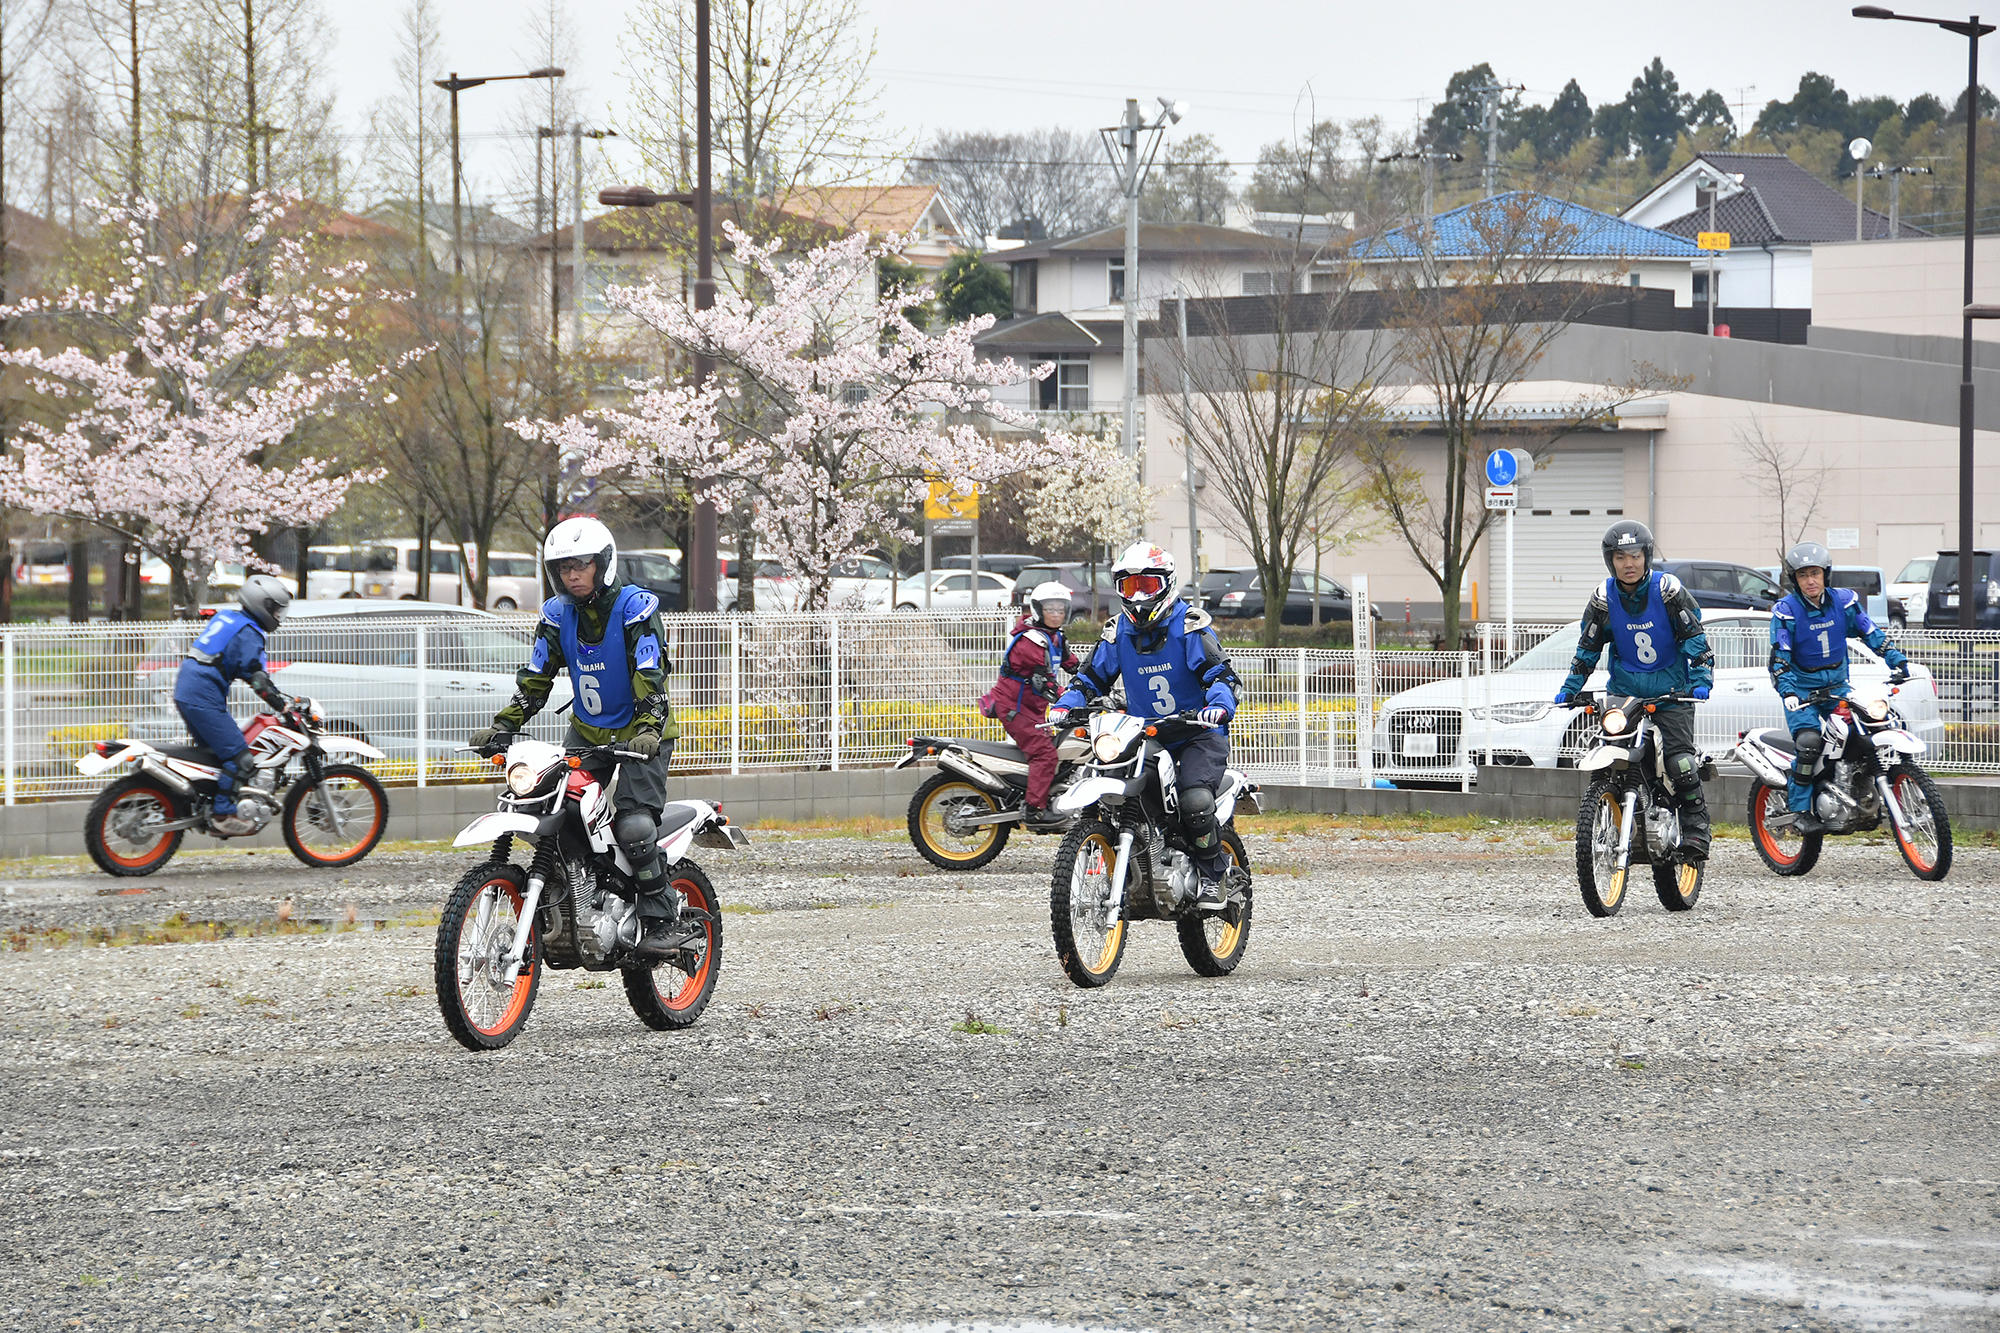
659 910
1695 829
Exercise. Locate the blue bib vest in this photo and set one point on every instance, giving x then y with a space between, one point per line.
1643 642
213 641
1159 683
598 671
1819 638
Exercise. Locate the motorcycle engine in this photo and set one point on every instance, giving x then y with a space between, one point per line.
1182 879
1663 830
596 929
257 805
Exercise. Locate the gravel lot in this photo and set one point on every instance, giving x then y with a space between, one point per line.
1436 1096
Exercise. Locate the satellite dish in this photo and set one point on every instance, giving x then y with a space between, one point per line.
1859 149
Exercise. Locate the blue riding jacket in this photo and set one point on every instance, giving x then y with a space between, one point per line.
1809 643
1177 666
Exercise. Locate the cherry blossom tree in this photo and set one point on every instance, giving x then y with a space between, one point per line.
829 413
162 435
1096 501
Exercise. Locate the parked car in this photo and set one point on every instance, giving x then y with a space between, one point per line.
1724 586
1864 579
1087 599
1242 597
1010 563
388 569
950 590
359 660
657 571
1908 591
513 581
1436 732
41 562
1941 598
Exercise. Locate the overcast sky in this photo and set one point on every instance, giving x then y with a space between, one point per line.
1251 70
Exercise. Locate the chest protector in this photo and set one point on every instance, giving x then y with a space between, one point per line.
1644 640
215 637
1819 638
599 672
1042 637
1160 682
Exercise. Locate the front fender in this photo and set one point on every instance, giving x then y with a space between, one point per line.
1082 795
337 744
1604 757
1901 742
490 826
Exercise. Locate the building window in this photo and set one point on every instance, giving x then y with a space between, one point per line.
1259 284
1067 389
1118 278
1701 287
1027 296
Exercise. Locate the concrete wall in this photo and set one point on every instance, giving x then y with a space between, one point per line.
1914 286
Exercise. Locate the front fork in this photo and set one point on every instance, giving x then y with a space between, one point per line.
1892 805
1115 909
1625 831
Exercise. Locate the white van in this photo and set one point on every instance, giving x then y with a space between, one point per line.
385 570
513 581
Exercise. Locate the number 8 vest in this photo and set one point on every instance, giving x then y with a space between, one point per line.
1642 640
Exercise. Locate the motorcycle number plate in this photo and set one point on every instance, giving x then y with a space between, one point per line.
1420 747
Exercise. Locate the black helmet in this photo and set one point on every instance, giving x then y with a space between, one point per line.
264 600
1804 556
1628 534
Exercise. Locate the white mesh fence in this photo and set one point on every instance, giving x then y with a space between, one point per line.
843 691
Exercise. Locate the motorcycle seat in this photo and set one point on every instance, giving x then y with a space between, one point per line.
194 754
675 818
1778 739
994 750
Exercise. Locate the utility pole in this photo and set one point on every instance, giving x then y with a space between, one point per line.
1121 142
548 132
577 134
1489 115
1895 176
1428 158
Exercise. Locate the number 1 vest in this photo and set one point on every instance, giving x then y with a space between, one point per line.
1643 641
1819 639
600 672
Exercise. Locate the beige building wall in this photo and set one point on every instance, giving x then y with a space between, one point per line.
1911 287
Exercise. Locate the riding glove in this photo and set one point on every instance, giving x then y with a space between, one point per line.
1562 696
1699 691
646 744
1901 674
1215 717
490 740
1057 715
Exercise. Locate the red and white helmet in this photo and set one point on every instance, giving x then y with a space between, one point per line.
1144 577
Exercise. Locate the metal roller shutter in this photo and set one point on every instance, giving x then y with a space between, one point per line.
1558 552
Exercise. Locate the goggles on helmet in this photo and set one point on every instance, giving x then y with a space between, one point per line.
1141 586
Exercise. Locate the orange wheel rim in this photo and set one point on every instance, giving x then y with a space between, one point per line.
1766 837
517 998
1923 858
104 834
692 983
355 843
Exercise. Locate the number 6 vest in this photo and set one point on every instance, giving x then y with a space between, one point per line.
1644 640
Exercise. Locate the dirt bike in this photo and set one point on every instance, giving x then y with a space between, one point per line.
332 815
960 817
1628 812
1868 771
1126 858
573 904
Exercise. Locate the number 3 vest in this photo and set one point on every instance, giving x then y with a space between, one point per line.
1643 641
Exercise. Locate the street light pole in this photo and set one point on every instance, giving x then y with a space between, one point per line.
1121 141
1972 30
455 85
1187 447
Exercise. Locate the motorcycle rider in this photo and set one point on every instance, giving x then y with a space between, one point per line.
1020 698
231 648
608 636
1810 627
1653 627
1170 661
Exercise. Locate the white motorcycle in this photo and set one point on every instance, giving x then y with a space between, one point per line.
573 904
1126 858
332 815
1868 772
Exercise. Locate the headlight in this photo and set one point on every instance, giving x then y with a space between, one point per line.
1526 710
1614 721
1107 748
1872 709
522 779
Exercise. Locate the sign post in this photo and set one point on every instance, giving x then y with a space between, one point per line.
1505 470
1364 685
948 512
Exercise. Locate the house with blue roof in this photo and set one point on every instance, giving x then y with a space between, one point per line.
1569 242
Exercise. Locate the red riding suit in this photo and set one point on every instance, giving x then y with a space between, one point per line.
1020 699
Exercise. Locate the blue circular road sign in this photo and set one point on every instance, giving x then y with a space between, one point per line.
1501 469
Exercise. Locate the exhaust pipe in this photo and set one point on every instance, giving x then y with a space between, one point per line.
972 773
156 769
1759 761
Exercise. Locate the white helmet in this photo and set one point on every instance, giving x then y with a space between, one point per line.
1144 577
580 539
1046 595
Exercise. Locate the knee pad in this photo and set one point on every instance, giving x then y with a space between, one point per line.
1684 770
1198 817
1810 745
636 832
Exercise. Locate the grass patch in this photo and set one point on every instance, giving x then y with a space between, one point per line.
745 909
176 929
594 983
1302 821
975 1026
406 992
852 826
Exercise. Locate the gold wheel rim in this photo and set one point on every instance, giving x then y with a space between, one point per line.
1094 862
954 846
1616 890
1225 937
1604 848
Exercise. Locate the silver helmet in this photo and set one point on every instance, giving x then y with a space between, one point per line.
264 599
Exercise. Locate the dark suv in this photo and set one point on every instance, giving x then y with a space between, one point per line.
1941 599
1239 594
1719 584
1102 601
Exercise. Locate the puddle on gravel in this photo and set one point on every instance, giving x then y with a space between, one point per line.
1864 1304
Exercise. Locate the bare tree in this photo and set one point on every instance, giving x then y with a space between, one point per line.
408 128
1789 477
1474 314
1280 404
1056 177
1192 183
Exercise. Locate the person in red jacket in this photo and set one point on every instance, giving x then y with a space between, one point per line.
1020 698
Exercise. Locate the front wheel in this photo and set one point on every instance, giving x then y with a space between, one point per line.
1927 847
1678 883
338 820
1598 873
1090 941
481 1008
122 831
671 993
1215 944
1784 849
936 812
